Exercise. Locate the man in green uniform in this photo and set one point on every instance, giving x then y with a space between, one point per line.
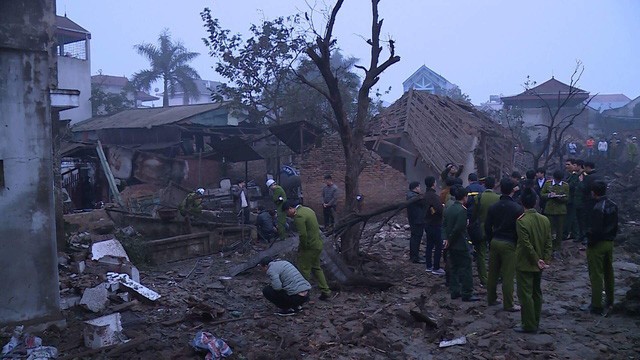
310 246
556 192
191 206
484 201
279 197
533 253
454 233
604 228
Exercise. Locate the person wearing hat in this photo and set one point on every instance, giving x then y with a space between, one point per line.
279 197
288 289
191 206
310 245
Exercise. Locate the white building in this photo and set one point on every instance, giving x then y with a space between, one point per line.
74 66
425 79
205 89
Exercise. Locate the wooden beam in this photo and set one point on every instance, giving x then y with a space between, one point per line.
397 147
109 175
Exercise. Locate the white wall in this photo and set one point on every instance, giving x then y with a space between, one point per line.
75 74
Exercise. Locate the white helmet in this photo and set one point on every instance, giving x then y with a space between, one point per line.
270 182
200 191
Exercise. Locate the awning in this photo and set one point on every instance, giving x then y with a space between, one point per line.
298 136
234 150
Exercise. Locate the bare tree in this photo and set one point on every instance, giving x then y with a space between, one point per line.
351 130
559 116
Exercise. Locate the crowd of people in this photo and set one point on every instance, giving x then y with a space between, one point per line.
613 147
520 222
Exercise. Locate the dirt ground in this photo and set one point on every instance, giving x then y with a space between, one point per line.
355 323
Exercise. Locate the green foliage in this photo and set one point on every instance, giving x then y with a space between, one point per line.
169 64
307 104
258 68
106 103
457 95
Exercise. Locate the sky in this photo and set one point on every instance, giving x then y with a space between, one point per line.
484 47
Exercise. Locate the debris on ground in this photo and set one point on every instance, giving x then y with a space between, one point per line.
215 347
103 331
457 341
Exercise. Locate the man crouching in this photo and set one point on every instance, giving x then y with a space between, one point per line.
288 289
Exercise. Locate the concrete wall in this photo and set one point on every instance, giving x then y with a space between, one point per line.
76 74
29 289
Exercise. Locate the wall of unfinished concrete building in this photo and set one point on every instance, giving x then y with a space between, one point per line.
379 183
29 288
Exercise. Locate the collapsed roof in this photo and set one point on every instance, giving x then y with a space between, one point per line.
444 131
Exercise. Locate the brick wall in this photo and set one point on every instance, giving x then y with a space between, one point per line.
379 183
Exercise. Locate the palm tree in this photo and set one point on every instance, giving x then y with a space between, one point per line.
168 63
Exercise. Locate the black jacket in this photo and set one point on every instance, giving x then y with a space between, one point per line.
604 221
501 219
434 208
416 211
588 182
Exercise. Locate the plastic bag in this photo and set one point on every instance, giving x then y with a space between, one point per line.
216 347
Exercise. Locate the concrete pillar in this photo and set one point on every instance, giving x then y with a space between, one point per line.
29 289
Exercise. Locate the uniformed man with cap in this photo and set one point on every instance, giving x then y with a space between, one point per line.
279 197
533 254
310 246
454 233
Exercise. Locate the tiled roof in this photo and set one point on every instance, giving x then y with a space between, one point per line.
64 23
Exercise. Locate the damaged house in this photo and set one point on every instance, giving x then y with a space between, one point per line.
182 145
420 133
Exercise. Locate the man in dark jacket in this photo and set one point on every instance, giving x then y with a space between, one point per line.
454 231
500 229
329 202
589 177
266 224
604 228
433 227
538 184
416 213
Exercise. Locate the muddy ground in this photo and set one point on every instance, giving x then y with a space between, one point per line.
355 323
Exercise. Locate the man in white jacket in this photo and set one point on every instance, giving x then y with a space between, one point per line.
602 148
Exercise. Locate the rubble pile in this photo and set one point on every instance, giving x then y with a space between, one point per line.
197 306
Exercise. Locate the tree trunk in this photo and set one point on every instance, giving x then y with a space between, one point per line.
350 239
165 94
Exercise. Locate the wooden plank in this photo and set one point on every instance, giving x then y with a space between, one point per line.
110 179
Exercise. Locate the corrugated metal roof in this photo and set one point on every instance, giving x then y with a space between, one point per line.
145 118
